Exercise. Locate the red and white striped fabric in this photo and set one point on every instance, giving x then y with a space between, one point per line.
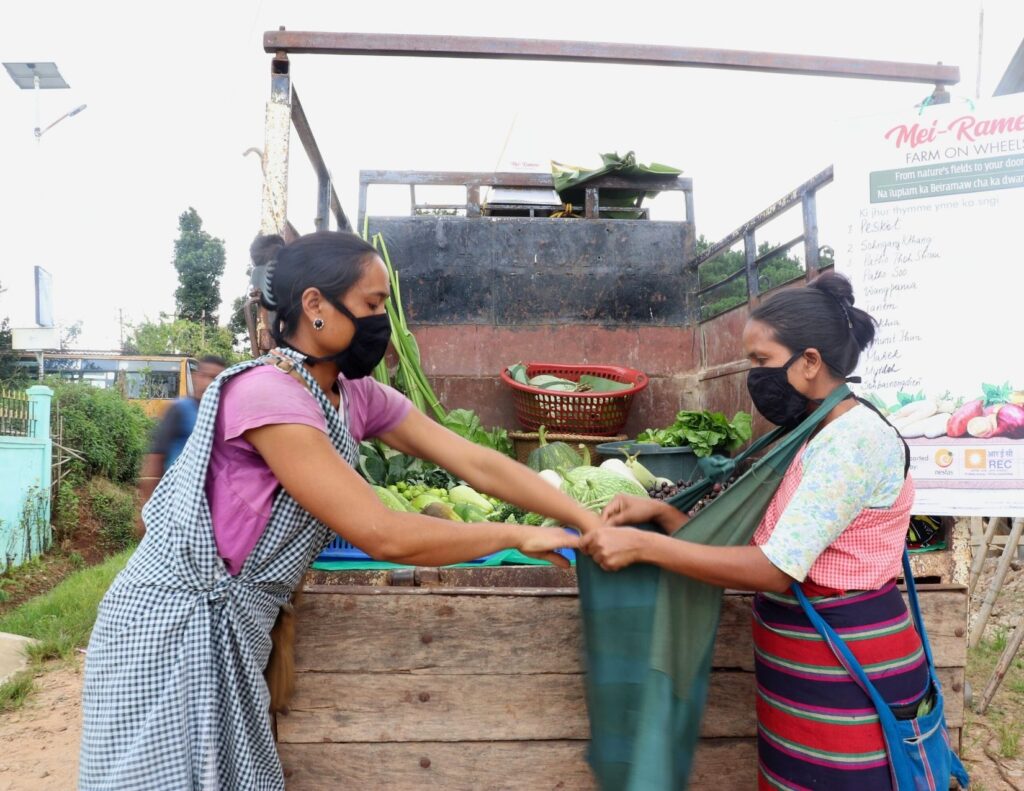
866 555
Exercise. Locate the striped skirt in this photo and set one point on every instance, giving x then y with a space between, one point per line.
816 727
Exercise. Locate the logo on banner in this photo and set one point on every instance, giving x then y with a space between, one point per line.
975 459
943 458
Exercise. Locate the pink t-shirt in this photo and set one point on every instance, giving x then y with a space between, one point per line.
240 487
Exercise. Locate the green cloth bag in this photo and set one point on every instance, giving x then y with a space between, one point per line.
649 634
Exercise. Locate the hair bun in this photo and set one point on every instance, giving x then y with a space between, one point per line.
836 286
263 251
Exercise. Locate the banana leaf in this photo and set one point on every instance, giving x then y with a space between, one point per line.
570 181
649 634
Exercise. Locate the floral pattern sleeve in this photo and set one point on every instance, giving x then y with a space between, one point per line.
854 463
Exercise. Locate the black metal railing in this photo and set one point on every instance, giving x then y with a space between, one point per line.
16 415
750 271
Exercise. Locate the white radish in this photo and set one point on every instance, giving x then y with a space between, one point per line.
914 411
937 425
934 426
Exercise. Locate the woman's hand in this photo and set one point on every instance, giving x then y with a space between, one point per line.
540 542
614 548
627 509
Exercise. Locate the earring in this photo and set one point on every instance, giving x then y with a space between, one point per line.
318 324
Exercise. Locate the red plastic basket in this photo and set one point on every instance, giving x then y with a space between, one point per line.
601 414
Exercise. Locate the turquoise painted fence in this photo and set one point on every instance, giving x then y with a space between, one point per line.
26 452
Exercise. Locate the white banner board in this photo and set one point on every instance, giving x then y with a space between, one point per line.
933 200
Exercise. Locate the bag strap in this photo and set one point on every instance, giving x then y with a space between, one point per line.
915 609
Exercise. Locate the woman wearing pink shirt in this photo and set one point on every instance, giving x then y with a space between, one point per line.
174 694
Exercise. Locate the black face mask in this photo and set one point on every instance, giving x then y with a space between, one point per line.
368 346
773 395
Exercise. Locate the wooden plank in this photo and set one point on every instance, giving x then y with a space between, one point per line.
385 707
347 633
491 766
728 764
431 633
376 707
944 609
426 766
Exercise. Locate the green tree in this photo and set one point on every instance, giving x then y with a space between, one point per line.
189 338
9 370
771 273
199 259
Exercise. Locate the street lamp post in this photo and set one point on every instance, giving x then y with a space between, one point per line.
39 76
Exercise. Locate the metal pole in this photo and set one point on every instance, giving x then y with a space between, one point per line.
35 83
750 259
277 131
810 217
997 582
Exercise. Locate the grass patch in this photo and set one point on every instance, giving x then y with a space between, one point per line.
115 508
1009 733
61 620
14 691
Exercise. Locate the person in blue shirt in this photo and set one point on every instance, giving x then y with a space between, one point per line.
176 426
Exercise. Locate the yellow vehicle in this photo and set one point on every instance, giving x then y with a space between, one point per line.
152 381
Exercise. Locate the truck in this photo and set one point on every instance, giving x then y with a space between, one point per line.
417 678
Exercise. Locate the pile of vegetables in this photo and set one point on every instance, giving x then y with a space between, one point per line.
465 423
998 413
586 384
704 432
592 487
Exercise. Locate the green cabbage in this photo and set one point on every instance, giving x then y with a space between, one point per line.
594 488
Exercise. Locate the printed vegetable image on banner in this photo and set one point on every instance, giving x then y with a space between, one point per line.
931 199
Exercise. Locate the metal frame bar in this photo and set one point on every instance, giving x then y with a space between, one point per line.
474 181
813 184
327 198
805 195
392 44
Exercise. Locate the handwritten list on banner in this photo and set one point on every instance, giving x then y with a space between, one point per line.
933 201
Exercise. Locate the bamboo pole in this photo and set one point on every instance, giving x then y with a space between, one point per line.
981 552
997 581
1004 664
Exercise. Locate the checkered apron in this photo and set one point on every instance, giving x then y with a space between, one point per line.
174 695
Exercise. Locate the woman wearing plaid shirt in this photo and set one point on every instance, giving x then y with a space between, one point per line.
174 694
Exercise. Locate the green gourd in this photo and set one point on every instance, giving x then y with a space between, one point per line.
555 456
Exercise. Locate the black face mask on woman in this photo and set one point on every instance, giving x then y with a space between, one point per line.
368 346
773 395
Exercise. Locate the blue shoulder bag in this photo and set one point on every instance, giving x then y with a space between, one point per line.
920 756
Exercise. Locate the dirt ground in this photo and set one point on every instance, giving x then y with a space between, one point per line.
39 742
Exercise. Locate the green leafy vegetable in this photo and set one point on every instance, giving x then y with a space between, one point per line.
704 432
902 399
466 424
996 394
382 466
518 373
599 384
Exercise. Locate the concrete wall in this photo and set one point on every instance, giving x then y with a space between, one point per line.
25 486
